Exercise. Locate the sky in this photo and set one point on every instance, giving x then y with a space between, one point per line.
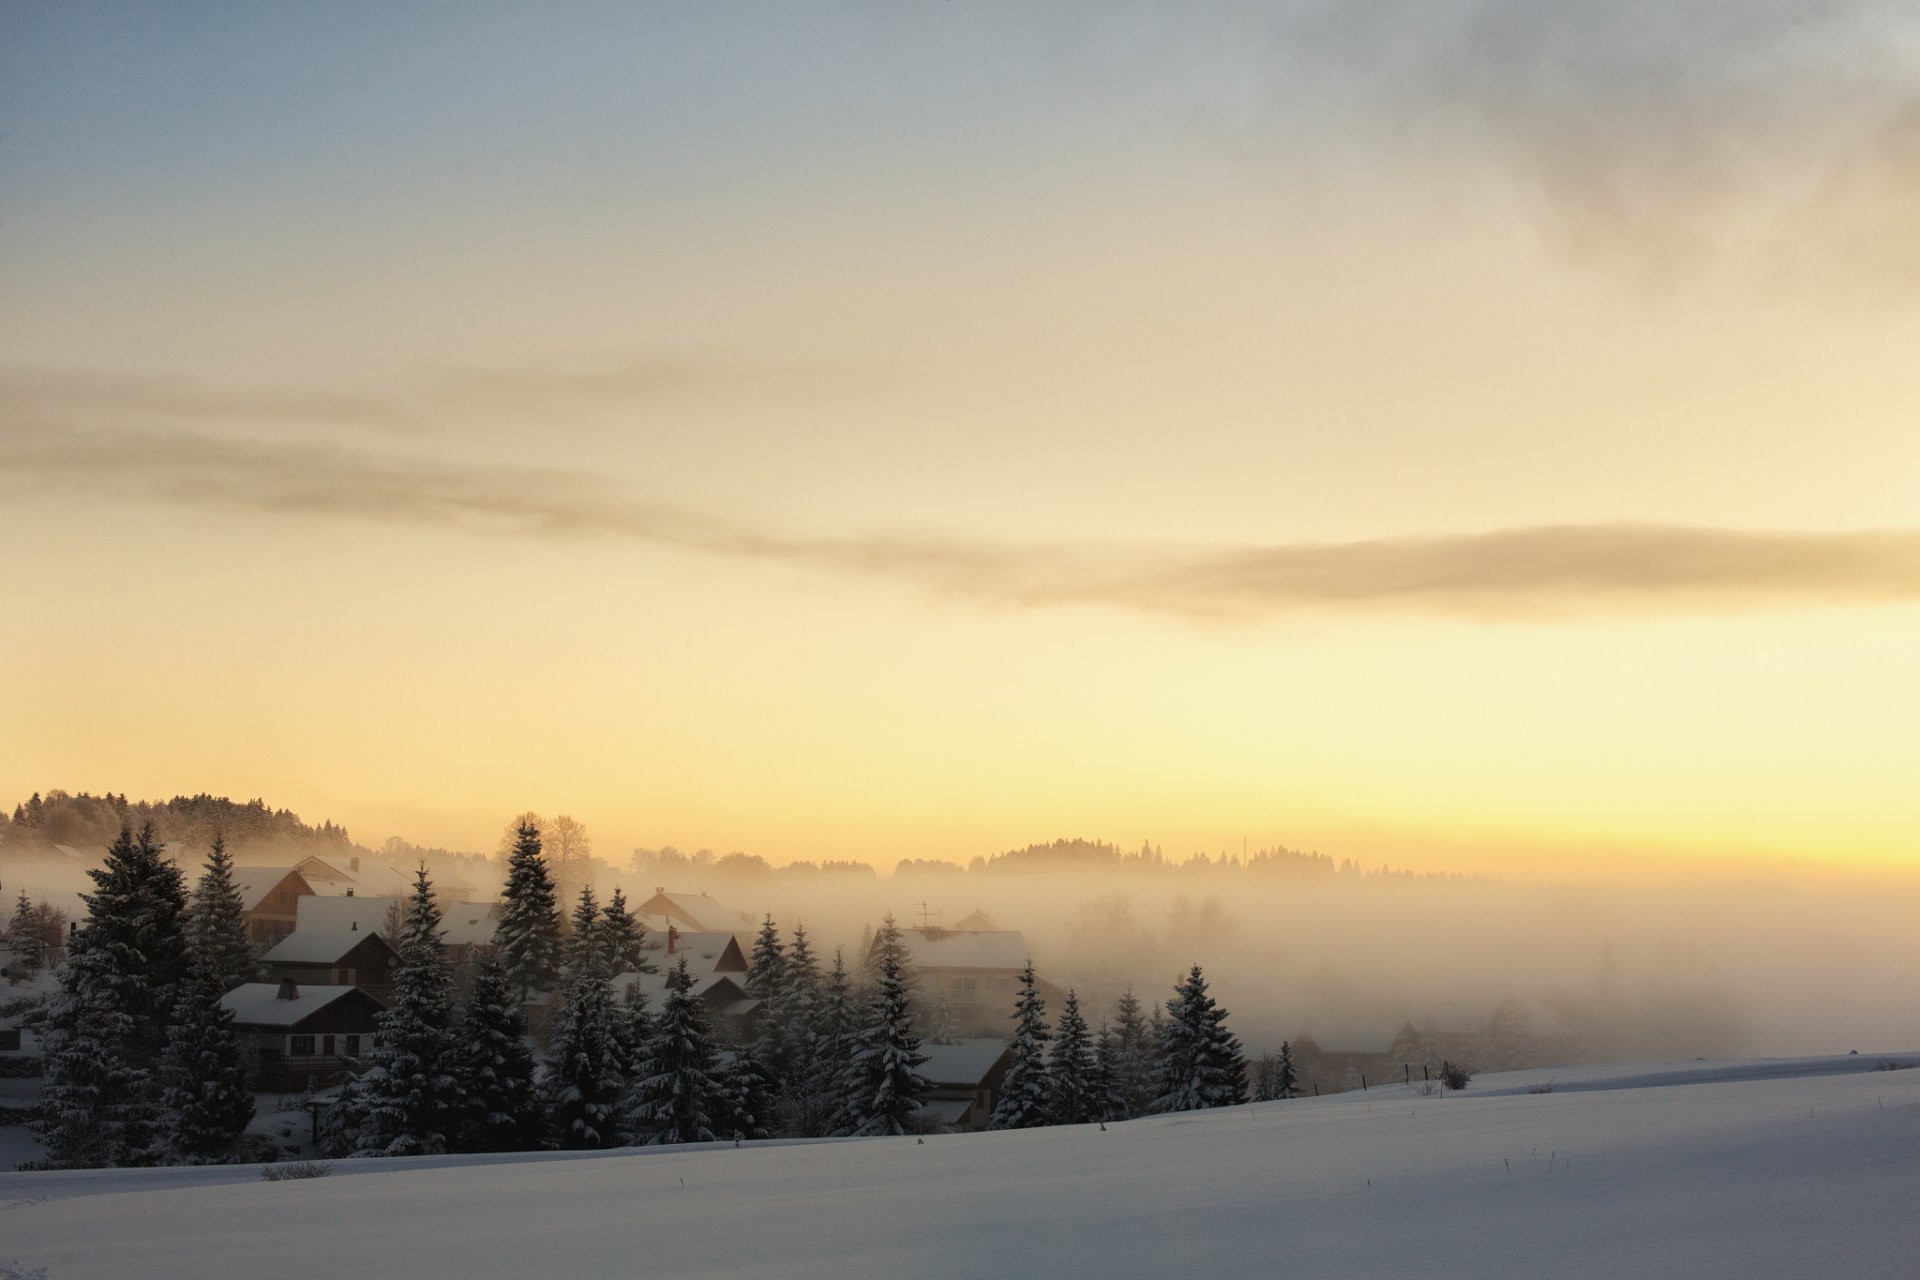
1472 435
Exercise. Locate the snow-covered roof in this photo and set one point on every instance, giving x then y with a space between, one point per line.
702 950
654 987
258 1004
947 1110
695 911
462 923
946 949
964 1064
255 883
319 946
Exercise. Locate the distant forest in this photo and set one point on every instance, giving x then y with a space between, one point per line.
88 824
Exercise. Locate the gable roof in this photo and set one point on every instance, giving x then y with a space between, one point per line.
946 949
321 946
461 923
977 922
255 883
715 988
258 1004
694 911
705 952
962 1065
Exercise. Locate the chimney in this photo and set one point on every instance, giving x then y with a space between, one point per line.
287 991
673 937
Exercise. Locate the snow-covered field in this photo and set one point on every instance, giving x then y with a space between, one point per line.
1802 1168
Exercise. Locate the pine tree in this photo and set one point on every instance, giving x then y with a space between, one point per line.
1026 1094
623 937
106 1031
23 931
206 1094
745 1097
1107 1102
799 1009
767 982
827 1112
586 1065
680 1097
1071 1067
940 1027
217 925
586 939
409 1092
528 935
885 1083
1286 1078
494 1067
1203 1066
1136 1057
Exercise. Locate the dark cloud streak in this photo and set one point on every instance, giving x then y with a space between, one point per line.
1549 571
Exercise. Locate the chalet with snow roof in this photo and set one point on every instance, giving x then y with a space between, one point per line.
302 1034
964 1081
373 878
270 896
695 912
350 957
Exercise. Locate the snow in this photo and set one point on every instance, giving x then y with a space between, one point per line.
1749 1170
259 1004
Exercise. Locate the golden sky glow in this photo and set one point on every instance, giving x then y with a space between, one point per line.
1486 441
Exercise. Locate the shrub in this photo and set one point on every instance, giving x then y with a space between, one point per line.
1546 1087
292 1169
1454 1076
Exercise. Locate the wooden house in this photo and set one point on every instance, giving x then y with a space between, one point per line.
694 912
302 1034
964 1081
350 957
271 897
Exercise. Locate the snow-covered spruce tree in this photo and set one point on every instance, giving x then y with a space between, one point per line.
799 1007
1026 1094
745 1096
1286 1077
409 1094
1203 1065
1071 1067
586 938
826 1111
940 1026
1136 1057
588 1053
623 937
206 1099
106 1030
766 982
528 935
680 1097
23 932
217 937
494 1068
885 1085
1107 1103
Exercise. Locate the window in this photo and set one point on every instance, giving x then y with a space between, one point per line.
326 1046
353 1045
300 1046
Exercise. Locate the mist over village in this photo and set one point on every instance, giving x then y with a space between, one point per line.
960 640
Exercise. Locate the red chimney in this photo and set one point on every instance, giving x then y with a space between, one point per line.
673 936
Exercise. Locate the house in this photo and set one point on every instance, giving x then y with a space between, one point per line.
693 911
705 952
371 878
976 972
964 1081
302 1034
270 896
976 922
351 957
465 927
735 1015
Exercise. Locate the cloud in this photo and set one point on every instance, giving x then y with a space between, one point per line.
1544 571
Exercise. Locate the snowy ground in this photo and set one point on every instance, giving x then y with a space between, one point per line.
1802 1168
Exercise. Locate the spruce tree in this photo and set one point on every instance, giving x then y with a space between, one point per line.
1286 1078
940 1026
494 1067
623 937
1203 1066
681 1097
586 938
409 1094
106 1031
528 935
885 1083
1026 1094
206 1094
767 982
1136 1058
799 1008
827 1112
1107 1102
586 1065
1071 1067
23 931
217 925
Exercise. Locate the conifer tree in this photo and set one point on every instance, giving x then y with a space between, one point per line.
623 937
1071 1067
1026 1095
745 1097
827 1112
217 937
528 935
1203 1066
885 1083
106 1031
586 939
586 1062
494 1067
1287 1078
206 1094
23 931
799 1008
940 1026
680 1097
409 1093
1107 1102
1136 1057
767 982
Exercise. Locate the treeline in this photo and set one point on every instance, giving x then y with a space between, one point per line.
1276 864
669 863
84 821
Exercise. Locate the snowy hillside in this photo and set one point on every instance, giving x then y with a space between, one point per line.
1799 1169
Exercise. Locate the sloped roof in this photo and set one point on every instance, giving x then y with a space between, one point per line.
977 922
654 987
695 910
320 946
255 883
963 1065
704 951
946 949
258 1004
461 923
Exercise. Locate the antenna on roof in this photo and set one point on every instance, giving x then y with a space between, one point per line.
925 913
